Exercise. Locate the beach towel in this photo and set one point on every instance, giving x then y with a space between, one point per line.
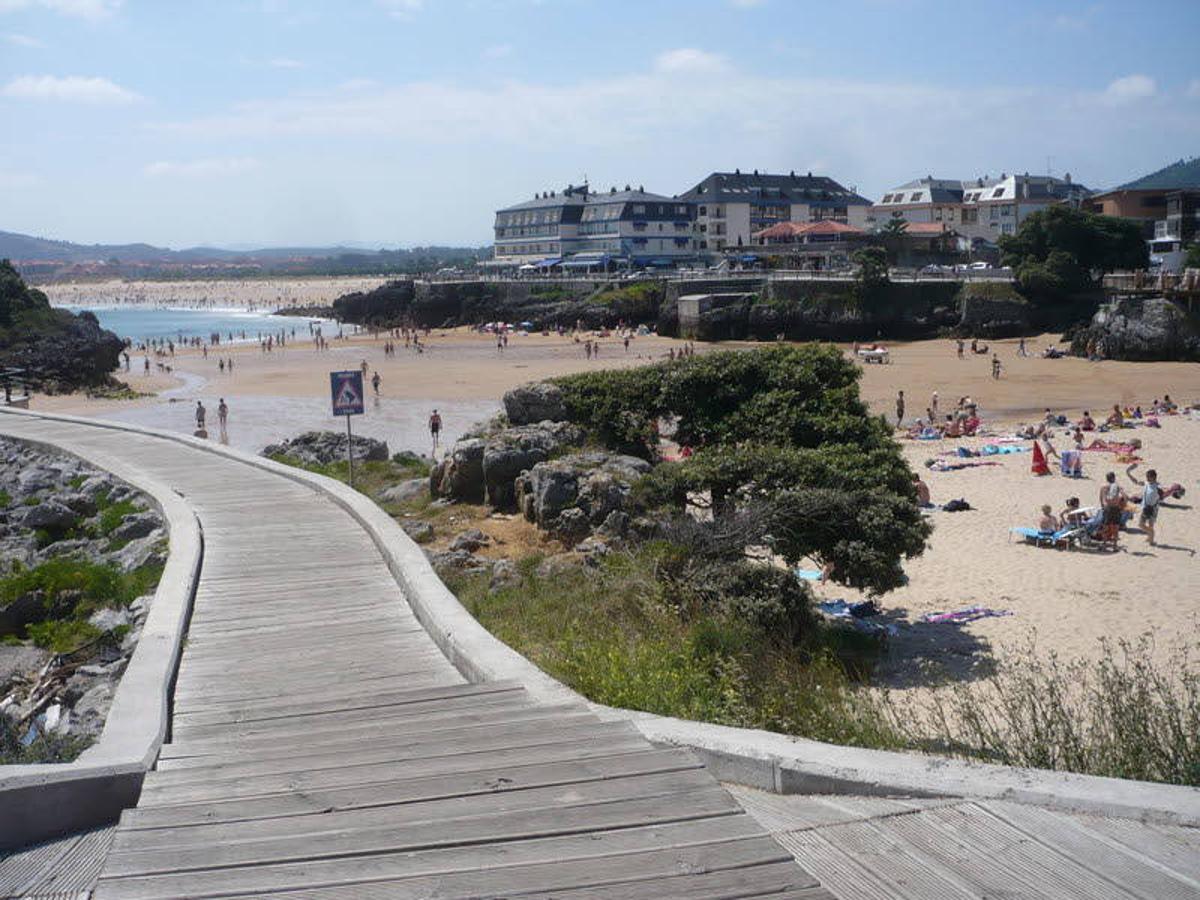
941 466
808 574
966 614
1039 466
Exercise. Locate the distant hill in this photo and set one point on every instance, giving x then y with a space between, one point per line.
27 248
1182 175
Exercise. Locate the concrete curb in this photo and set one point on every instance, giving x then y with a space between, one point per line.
45 801
761 759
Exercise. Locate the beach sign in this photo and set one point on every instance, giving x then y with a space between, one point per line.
346 390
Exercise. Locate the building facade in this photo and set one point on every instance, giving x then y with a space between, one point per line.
577 226
980 210
731 207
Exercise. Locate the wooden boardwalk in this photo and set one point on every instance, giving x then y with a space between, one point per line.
874 848
322 746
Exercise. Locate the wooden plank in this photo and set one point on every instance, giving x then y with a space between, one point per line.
605 848
546 771
376 773
1112 860
370 730
1175 849
993 857
856 861
581 793
416 746
343 745
358 839
734 862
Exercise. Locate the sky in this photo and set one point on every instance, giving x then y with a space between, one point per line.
409 122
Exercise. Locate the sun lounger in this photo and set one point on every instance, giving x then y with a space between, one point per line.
1065 537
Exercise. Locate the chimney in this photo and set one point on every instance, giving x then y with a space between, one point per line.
793 173
737 171
1067 177
641 189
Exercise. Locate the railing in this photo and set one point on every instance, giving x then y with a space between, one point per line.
898 275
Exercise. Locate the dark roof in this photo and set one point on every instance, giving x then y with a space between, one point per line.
629 196
1182 175
743 187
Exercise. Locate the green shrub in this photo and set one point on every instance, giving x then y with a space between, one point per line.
112 515
45 748
62 635
5 499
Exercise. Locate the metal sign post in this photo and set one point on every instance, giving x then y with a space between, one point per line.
346 393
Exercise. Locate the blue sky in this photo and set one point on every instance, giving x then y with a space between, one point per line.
402 122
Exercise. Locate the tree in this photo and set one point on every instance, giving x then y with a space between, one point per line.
1192 260
871 279
892 234
1059 250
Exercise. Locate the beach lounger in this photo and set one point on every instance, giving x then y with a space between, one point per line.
1065 537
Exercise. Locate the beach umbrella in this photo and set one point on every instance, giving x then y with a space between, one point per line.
1039 466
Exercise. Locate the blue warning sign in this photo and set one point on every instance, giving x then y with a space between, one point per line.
346 389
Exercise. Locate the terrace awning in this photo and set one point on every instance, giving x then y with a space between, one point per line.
548 263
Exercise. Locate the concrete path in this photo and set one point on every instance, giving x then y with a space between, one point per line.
322 746
872 848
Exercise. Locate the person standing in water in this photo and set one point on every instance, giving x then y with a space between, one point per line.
201 412
435 429
223 419
375 382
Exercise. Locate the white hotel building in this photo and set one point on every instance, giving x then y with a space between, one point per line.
982 209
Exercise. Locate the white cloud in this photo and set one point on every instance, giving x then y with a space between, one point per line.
690 59
284 62
24 40
401 9
1129 89
498 51
72 88
92 10
202 168
1193 89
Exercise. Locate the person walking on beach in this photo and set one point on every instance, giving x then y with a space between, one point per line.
375 382
146 366
933 406
435 428
201 412
961 347
899 408
1151 497
229 365
995 366
1021 348
223 418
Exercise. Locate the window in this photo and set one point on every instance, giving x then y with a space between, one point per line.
681 209
704 245
704 210
639 209
681 242
998 192
887 198
915 198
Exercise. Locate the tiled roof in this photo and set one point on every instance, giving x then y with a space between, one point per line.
795 229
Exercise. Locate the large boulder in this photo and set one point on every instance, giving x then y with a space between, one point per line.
50 514
598 484
324 447
1150 329
515 450
537 402
460 475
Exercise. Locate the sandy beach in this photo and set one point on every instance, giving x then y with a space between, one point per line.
1067 600
266 293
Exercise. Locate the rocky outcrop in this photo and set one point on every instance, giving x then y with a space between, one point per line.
58 510
484 469
576 494
59 351
324 447
541 401
1151 329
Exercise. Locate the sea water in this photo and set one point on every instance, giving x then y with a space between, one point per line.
175 324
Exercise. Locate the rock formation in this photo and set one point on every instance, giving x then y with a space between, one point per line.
1151 329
